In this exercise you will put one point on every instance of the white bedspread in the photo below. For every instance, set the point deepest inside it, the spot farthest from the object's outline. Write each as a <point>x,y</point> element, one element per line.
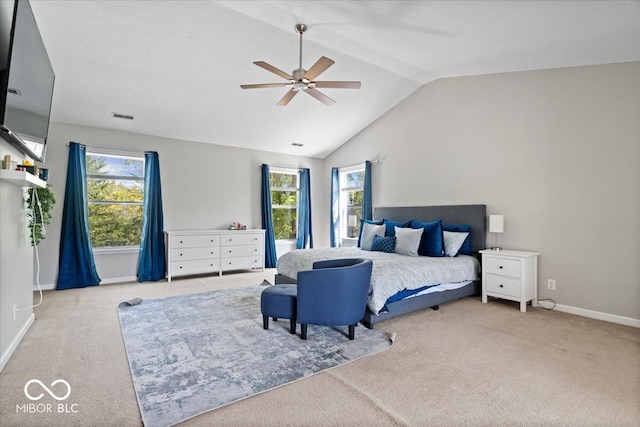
<point>392,273</point>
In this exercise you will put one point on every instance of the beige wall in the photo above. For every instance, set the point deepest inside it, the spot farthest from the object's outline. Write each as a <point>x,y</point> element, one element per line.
<point>16,262</point>
<point>556,151</point>
<point>203,186</point>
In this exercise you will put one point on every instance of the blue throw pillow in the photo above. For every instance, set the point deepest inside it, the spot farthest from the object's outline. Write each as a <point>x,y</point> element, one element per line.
<point>391,225</point>
<point>369,221</point>
<point>432,242</point>
<point>383,244</point>
<point>466,246</point>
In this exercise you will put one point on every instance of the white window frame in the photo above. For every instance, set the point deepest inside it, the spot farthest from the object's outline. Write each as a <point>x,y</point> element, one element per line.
<point>288,171</point>
<point>118,153</point>
<point>344,190</point>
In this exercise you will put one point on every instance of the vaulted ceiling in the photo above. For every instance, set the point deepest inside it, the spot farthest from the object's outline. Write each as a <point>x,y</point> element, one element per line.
<point>177,66</point>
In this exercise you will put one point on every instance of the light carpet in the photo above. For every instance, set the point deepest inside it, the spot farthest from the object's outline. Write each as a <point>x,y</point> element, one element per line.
<point>193,353</point>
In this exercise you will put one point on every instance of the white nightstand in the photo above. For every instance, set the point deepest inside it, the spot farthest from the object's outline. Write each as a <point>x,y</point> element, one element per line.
<point>511,275</point>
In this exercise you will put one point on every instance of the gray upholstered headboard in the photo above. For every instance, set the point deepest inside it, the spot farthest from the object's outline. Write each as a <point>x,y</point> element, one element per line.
<point>473,215</point>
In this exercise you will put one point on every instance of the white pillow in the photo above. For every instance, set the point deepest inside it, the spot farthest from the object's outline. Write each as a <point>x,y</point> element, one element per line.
<point>453,241</point>
<point>408,240</point>
<point>368,231</point>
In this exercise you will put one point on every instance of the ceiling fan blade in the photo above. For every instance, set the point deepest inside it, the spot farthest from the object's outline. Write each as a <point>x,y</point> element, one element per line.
<point>287,97</point>
<point>274,70</point>
<point>338,85</point>
<point>320,96</point>
<point>259,86</point>
<point>316,69</point>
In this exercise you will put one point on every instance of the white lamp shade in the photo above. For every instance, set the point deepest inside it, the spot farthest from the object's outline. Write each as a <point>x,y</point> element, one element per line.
<point>496,223</point>
<point>352,220</point>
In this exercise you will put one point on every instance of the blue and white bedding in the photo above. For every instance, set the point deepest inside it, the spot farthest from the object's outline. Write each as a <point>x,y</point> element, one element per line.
<point>392,272</point>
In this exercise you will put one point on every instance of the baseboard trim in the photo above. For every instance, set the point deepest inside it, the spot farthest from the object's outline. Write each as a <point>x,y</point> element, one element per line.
<point>52,286</point>
<point>119,280</point>
<point>16,341</point>
<point>613,318</point>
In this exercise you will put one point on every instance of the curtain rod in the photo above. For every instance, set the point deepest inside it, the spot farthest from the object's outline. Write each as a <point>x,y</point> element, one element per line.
<point>114,152</point>
<point>357,164</point>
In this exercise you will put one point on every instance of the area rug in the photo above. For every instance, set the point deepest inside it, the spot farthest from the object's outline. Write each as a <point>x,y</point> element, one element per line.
<point>190,354</point>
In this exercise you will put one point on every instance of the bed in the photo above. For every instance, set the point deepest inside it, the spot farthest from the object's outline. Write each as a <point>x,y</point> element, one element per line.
<point>387,276</point>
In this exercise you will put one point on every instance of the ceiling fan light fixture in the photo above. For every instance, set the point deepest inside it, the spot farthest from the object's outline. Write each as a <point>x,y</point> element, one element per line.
<point>301,79</point>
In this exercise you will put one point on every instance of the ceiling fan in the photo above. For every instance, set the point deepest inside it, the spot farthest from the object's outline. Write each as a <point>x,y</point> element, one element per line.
<point>303,80</point>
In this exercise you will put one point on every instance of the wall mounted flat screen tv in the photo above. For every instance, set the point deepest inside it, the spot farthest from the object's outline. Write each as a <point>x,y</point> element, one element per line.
<point>26,80</point>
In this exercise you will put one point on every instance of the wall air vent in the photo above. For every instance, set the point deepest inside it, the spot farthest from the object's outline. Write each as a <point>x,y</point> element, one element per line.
<point>14,91</point>
<point>122,116</point>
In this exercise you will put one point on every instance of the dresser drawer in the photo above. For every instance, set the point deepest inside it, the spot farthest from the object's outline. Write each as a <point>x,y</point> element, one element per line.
<point>246,250</point>
<point>503,266</point>
<point>242,239</point>
<point>179,268</point>
<point>195,241</point>
<point>503,285</point>
<point>241,263</point>
<point>195,253</point>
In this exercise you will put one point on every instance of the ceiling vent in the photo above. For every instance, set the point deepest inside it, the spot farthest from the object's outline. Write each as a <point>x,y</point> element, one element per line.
<point>14,91</point>
<point>122,116</point>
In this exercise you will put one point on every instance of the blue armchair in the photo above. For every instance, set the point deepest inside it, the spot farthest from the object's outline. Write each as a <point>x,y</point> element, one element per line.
<point>334,293</point>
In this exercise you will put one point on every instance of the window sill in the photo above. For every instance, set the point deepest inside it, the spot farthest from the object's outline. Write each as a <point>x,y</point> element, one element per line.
<point>116,250</point>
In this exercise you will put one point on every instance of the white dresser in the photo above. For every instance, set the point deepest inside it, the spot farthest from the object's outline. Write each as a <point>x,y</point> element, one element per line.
<point>511,275</point>
<point>213,251</point>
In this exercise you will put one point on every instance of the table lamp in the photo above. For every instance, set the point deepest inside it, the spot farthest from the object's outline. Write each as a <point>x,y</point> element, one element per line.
<point>352,220</point>
<point>496,225</point>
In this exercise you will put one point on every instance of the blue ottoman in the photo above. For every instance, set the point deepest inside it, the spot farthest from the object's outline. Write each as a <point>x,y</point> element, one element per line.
<point>279,301</point>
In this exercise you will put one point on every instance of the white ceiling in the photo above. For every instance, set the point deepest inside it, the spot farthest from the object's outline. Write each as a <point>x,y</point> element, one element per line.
<point>177,66</point>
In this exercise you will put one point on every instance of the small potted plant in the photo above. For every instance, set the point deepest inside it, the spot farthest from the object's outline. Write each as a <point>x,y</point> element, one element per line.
<point>40,215</point>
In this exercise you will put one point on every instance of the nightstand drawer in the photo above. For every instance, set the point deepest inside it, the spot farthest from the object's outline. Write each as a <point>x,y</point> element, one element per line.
<point>503,266</point>
<point>503,285</point>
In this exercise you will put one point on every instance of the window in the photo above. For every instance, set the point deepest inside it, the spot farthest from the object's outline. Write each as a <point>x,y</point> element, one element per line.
<point>351,197</point>
<point>284,203</point>
<point>115,189</point>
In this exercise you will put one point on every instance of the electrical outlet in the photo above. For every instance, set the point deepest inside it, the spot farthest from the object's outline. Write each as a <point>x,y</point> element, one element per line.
<point>551,284</point>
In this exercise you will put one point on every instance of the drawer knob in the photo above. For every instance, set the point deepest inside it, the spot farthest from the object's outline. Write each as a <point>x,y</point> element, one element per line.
<point>180,241</point>
<point>500,267</point>
<point>501,285</point>
<point>180,266</point>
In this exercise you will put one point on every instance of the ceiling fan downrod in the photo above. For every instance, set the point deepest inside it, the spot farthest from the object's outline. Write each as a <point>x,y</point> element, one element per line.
<point>300,29</point>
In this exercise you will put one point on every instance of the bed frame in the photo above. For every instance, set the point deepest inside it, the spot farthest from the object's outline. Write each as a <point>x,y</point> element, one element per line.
<point>473,215</point>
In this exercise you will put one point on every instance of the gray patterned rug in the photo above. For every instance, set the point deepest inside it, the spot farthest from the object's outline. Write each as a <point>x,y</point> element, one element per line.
<point>193,353</point>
